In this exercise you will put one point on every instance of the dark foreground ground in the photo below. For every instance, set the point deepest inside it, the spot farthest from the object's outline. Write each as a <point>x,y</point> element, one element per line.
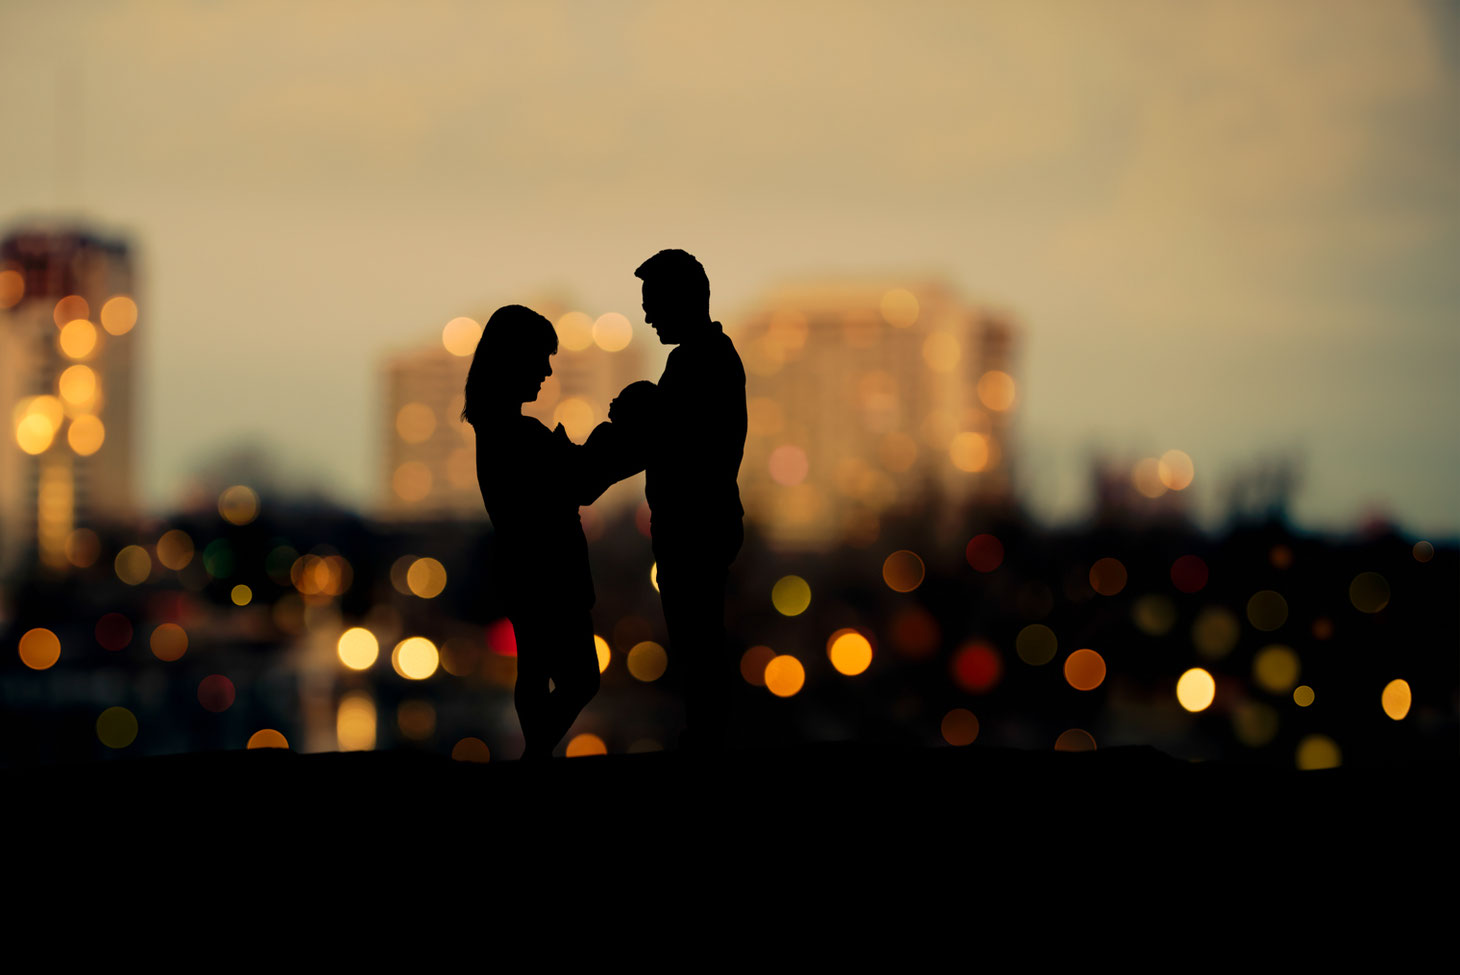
<point>968,844</point>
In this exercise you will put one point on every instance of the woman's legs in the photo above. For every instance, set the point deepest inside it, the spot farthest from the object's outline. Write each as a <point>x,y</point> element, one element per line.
<point>560,648</point>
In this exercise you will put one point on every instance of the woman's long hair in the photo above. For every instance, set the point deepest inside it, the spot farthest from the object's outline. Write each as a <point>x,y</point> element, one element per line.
<point>511,336</point>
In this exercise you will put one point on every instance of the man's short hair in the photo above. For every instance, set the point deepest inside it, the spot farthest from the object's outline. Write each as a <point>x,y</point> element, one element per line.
<point>679,272</point>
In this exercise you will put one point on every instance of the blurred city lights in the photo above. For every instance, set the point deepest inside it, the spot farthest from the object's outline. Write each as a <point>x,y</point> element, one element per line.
<point>959,727</point>
<point>1215,632</point>
<point>116,727</point>
<point>784,675</point>
<point>39,648</point>
<point>70,308</point>
<point>1176,470</point>
<point>471,750</point>
<point>612,332</point>
<point>415,658</point>
<point>12,288</point>
<point>586,744</point>
<point>1267,610</point>
<point>241,595</point>
<point>654,576</point>
<point>788,465</point>
<point>77,339</point>
<point>941,351</point>
<point>1318,752</point>
<point>460,336</point>
<point>267,738</point>
<point>1196,689</point>
<point>175,549</point>
<point>77,386</point>
<point>575,331</point>
<point>238,504</point>
<point>791,596</point>
<point>86,435</point>
<point>996,390</point>
<point>426,578</point>
<point>976,667</point>
<point>578,417</point>
<point>1254,723</point>
<point>1303,695</point>
<point>133,565</point>
<point>1084,670</point>
<point>412,481</point>
<point>1369,592</point>
<point>600,645</point>
<point>1153,614</point>
<point>1075,740</point>
<point>1275,669</point>
<point>355,722</point>
<point>1423,551</point>
<point>969,451</point>
<point>169,641</point>
<point>216,693</point>
<point>1396,699</point>
<point>415,422</point>
<point>1036,644</point>
<point>903,571</point>
<point>83,548</point>
<point>1107,576</point>
<point>984,553</point>
<point>1145,476</point>
<point>118,314</point>
<point>647,661</point>
<point>753,663</point>
<point>899,308</point>
<point>850,652</point>
<point>357,648</point>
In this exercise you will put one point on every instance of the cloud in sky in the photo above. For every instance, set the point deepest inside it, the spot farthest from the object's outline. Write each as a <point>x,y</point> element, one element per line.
<point>1227,225</point>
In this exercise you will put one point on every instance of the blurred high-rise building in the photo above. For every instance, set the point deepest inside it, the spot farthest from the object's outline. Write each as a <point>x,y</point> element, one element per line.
<point>871,398</point>
<point>429,459</point>
<point>68,317</point>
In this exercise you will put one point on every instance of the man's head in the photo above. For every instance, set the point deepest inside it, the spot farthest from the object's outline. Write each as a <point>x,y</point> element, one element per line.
<point>676,294</point>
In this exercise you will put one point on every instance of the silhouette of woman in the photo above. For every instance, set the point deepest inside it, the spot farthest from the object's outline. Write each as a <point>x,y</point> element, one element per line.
<point>533,480</point>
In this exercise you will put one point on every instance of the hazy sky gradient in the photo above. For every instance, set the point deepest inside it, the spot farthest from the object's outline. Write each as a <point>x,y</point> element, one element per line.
<point>1230,228</point>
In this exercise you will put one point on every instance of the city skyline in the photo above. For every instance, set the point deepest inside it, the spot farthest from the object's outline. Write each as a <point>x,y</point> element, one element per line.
<point>1226,230</point>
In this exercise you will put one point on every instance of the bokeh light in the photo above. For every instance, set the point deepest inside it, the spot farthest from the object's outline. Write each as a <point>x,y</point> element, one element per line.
<point>169,641</point>
<point>216,693</point>
<point>791,595</point>
<point>70,308</point>
<point>133,565</point>
<point>899,308</point>
<point>1196,689</point>
<point>1145,477</point>
<point>86,435</point>
<point>969,451</point>
<point>267,738</point>
<point>1303,696</point>
<point>1084,670</point>
<point>238,504</point>
<point>118,314</point>
<point>647,661</point>
<point>784,675</point>
<point>577,416</point>
<point>471,750</point>
<point>12,288</point>
<point>849,651</point>
<point>903,571</point>
<point>1036,644</point>
<point>77,338</point>
<point>358,648</point>
<point>77,386</point>
<point>996,390</point>
<point>113,632</point>
<point>575,331</point>
<point>412,481</point>
<point>415,658</point>
<point>753,663</point>
<point>355,722</point>
<point>612,332</point>
<point>415,422</point>
<point>976,667</point>
<point>1075,740</point>
<point>1255,724</point>
<point>39,648</point>
<point>1318,752</point>
<point>460,336</point>
<point>941,351</point>
<point>1396,699</point>
<point>116,727</point>
<point>1275,669</point>
<point>426,578</point>
<point>1153,614</point>
<point>1107,576</point>
<point>585,745</point>
<point>1189,574</point>
<point>1423,551</point>
<point>1369,592</point>
<point>1215,632</point>
<point>605,655</point>
<point>1176,470</point>
<point>1267,610</point>
<point>788,465</point>
<point>960,727</point>
<point>83,548</point>
<point>984,552</point>
<point>241,595</point>
<point>175,549</point>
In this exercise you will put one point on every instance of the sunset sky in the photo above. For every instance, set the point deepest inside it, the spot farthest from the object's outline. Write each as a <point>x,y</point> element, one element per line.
<point>1227,228</point>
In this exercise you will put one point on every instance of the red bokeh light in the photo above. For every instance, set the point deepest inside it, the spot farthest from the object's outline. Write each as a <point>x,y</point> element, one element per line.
<point>216,693</point>
<point>984,552</point>
<point>114,631</point>
<point>1189,573</point>
<point>977,667</point>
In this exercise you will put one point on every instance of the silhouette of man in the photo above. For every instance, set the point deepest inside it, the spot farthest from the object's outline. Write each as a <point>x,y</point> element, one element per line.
<point>692,461</point>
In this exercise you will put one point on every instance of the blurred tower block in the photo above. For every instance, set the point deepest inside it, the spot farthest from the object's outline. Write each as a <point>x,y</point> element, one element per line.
<point>68,336</point>
<point>429,469</point>
<point>871,398</point>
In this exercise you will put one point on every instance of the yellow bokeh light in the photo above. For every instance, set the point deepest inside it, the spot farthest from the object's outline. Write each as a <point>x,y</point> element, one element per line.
<point>996,390</point>
<point>1146,477</point>
<point>357,648</point>
<point>612,332</point>
<point>169,642</point>
<point>12,288</point>
<point>460,336</point>
<point>1036,644</point>
<point>791,595</point>
<point>133,565</point>
<point>241,595</point>
<point>1318,752</point>
<point>83,547</point>
<point>415,422</point>
<point>1267,610</point>
<point>577,416</point>
<point>1196,689</point>
<point>1369,592</point>
<point>1396,699</point>
<point>34,433</point>
<point>116,727</point>
<point>600,645</point>
<point>1254,723</point>
<point>86,435</point>
<point>850,652</point>
<point>77,386</point>
<point>78,338</point>
<point>1215,632</point>
<point>39,648</point>
<point>412,481</point>
<point>1275,669</point>
<point>903,571</point>
<point>175,549</point>
<point>959,727</point>
<point>784,675</point>
<point>415,658</point>
<point>575,331</point>
<point>471,750</point>
<point>70,308</point>
<point>753,663</point>
<point>941,351</point>
<point>416,719</point>
<point>355,722</point>
<point>1303,695</point>
<point>118,314</point>
<point>267,738</point>
<point>585,745</point>
<point>1085,670</point>
<point>969,451</point>
<point>1176,470</point>
<point>654,576</point>
<point>238,504</point>
<point>647,661</point>
<point>426,578</point>
<point>899,308</point>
